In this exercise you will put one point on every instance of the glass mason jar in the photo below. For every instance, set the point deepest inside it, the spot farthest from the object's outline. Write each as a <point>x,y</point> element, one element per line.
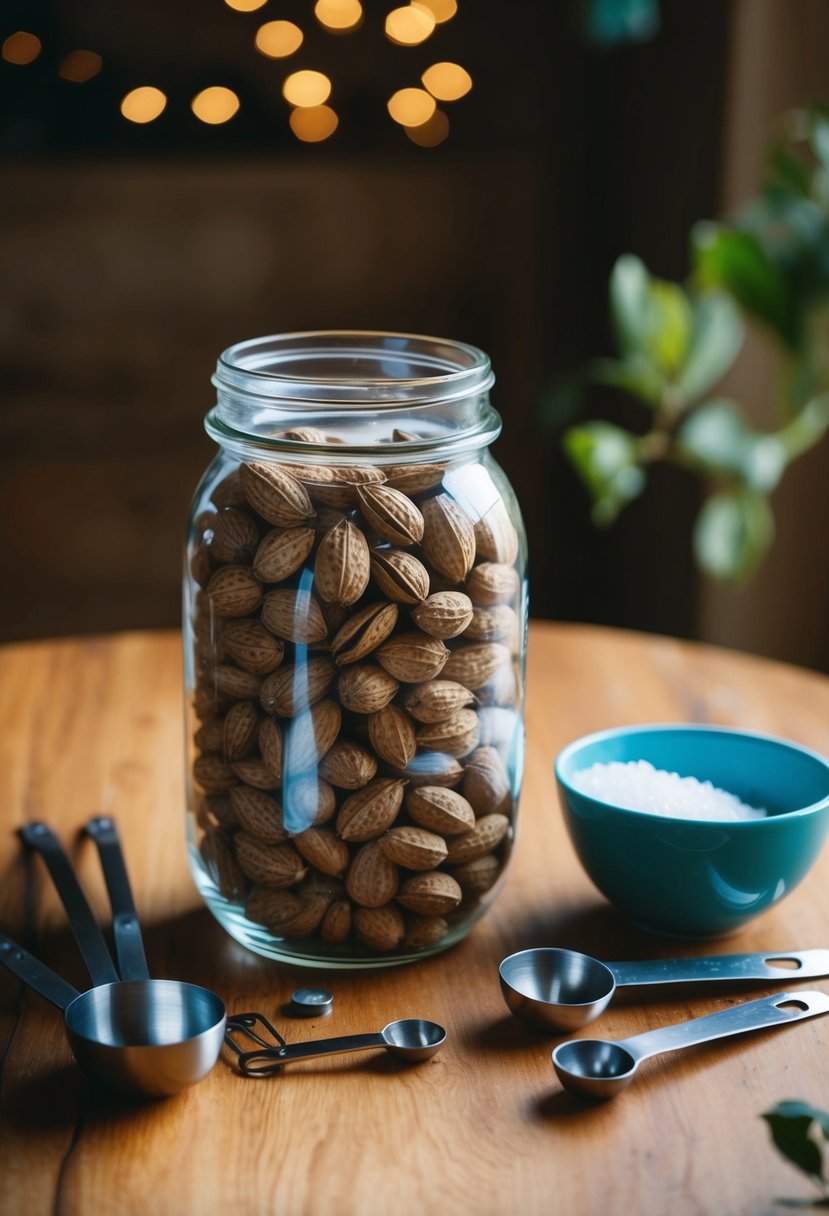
<point>355,611</point>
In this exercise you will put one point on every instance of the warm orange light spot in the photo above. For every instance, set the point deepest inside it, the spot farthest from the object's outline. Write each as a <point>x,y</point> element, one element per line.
<point>411,107</point>
<point>339,15</point>
<point>441,10</point>
<point>313,124</point>
<point>447,81</point>
<point>409,26</point>
<point>215,105</point>
<point>431,133</point>
<point>143,104</point>
<point>80,66</point>
<point>278,39</point>
<point>21,48</point>
<point>245,6</point>
<point>306,88</point>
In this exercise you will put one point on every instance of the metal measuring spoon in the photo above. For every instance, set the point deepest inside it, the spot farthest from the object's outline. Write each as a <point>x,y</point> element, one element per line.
<point>138,1035</point>
<point>552,989</point>
<point>411,1039</point>
<point>602,1068</point>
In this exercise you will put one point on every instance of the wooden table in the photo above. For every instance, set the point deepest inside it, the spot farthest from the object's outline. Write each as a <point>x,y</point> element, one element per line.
<point>95,725</point>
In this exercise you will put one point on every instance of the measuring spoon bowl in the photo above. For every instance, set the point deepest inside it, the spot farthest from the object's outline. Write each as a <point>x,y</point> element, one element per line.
<point>602,1068</point>
<point>552,989</point>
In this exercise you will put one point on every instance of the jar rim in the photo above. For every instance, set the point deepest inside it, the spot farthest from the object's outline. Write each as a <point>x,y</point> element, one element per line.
<point>352,367</point>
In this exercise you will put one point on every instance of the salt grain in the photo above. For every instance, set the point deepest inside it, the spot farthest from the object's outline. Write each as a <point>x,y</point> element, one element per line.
<point>638,786</point>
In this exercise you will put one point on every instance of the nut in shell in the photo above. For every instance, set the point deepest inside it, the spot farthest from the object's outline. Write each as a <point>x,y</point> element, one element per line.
<point>390,514</point>
<point>364,632</point>
<point>371,880</point>
<point>440,810</point>
<point>433,893</point>
<point>493,583</point>
<point>486,835</point>
<point>234,591</point>
<point>367,813</point>
<point>364,688</point>
<point>458,735</point>
<point>294,616</point>
<point>445,614</point>
<point>341,568</point>
<point>252,647</point>
<point>235,536</point>
<point>276,495</point>
<point>282,552</point>
<point>413,657</point>
<point>448,537</point>
<point>413,848</point>
<point>292,689</point>
<point>381,929</point>
<point>348,765</point>
<point>271,865</point>
<point>437,700</point>
<point>392,735</point>
<point>400,575</point>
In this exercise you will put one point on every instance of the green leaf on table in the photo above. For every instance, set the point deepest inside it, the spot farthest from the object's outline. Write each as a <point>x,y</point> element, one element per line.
<point>732,533</point>
<point>651,317</point>
<point>798,1130</point>
<point>736,262</point>
<point>716,338</point>
<point>717,440</point>
<point>606,457</point>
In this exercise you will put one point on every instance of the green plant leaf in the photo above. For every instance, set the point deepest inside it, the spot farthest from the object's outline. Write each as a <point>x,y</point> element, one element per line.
<point>732,533</point>
<point>717,441</point>
<point>716,338</point>
<point>736,262</point>
<point>633,374</point>
<point>651,317</point>
<point>793,1127</point>
<point>606,458</point>
<point>819,135</point>
<point>807,428</point>
<point>629,281</point>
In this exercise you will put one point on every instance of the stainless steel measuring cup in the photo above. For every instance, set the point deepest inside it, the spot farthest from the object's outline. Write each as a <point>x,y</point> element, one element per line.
<point>136,1034</point>
<point>602,1068</point>
<point>552,989</point>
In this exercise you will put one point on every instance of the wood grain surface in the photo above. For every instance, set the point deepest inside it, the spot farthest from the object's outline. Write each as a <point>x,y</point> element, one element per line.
<point>95,725</point>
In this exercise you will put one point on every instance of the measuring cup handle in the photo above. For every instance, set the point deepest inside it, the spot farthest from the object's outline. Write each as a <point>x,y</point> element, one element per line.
<point>35,974</point>
<point>750,1015</point>
<point>807,964</point>
<point>89,937</point>
<point>310,1051</point>
<point>126,928</point>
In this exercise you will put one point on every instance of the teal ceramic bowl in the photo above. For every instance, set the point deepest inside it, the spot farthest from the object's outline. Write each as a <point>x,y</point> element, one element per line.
<point>690,878</point>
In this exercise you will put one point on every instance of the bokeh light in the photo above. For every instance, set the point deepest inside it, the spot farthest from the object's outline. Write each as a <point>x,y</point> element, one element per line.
<point>21,48</point>
<point>80,66</point>
<point>447,81</point>
<point>411,107</point>
<point>306,88</point>
<point>313,124</point>
<point>441,10</point>
<point>431,133</point>
<point>246,6</point>
<point>339,15</point>
<point>277,39</point>
<point>409,26</point>
<point>143,104</point>
<point>215,105</point>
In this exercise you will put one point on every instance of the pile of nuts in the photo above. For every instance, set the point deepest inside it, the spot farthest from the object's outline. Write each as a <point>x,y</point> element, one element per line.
<point>356,634</point>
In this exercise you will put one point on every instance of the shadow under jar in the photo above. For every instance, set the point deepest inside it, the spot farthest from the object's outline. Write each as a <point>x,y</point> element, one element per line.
<point>355,614</point>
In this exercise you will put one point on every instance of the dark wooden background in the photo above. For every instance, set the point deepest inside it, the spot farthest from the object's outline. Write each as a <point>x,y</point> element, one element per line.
<point>132,257</point>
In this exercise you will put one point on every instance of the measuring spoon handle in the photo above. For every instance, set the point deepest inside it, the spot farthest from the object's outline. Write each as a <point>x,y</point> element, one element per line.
<point>781,967</point>
<point>751,1015</point>
<point>312,1050</point>
<point>35,974</point>
<point>89,937</point>
<point>126,929</point>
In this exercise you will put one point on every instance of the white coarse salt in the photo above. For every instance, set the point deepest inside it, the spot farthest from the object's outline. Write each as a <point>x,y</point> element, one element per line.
<point>638,786</point>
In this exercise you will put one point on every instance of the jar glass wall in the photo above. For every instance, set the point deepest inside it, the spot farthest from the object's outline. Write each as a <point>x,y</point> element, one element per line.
<point>355,609</point>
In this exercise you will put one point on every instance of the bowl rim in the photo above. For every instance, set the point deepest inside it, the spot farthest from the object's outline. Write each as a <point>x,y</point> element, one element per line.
<point>740,825</point>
